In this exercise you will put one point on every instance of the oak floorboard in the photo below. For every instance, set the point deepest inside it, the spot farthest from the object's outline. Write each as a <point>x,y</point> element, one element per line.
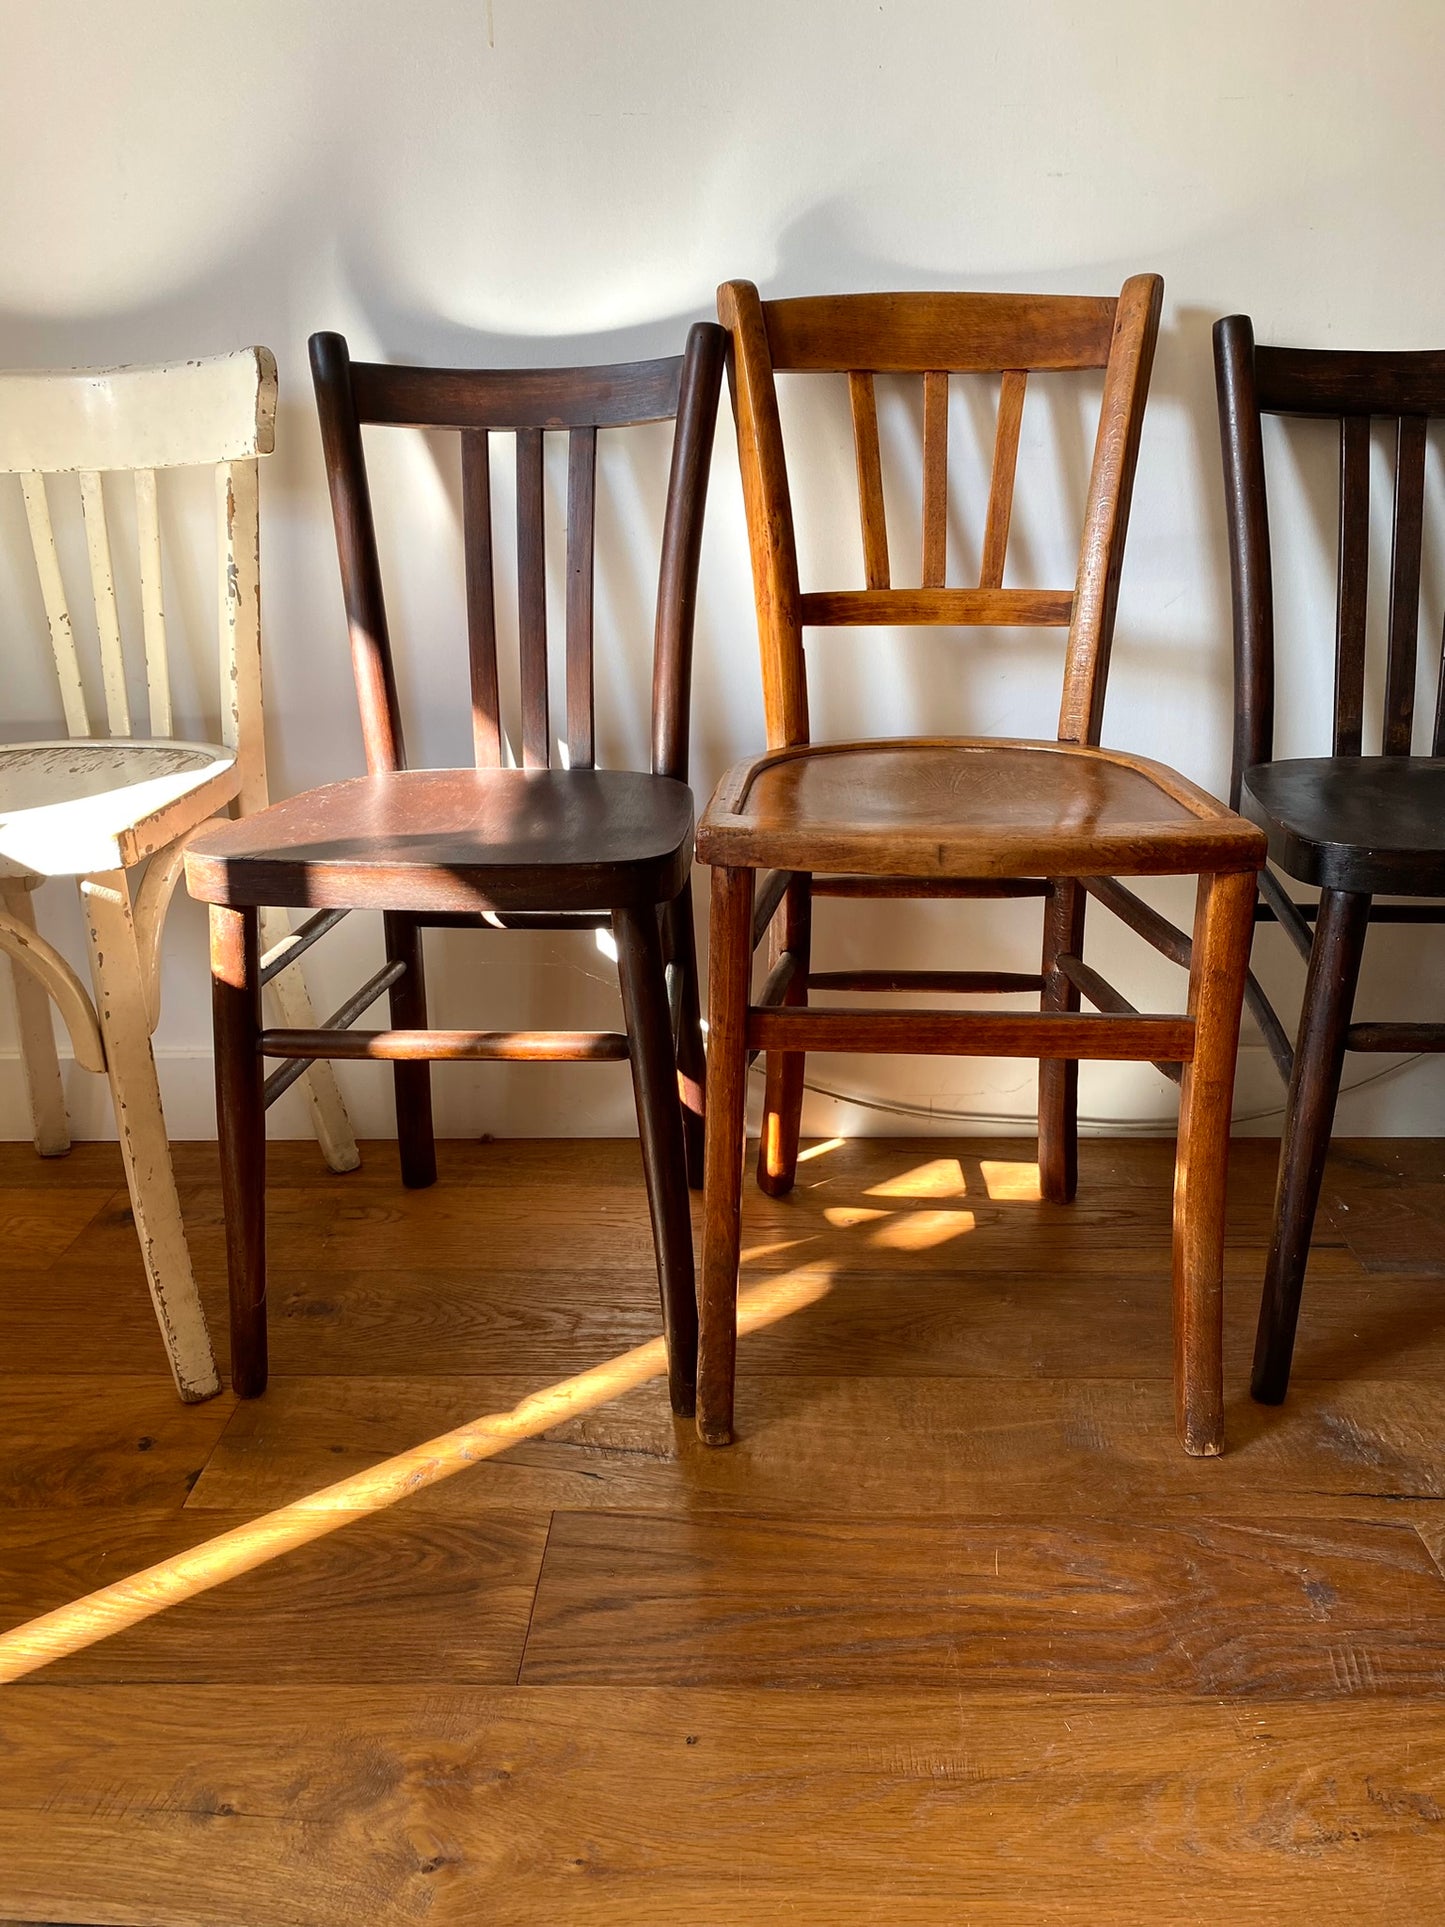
<point>643,1807</point>
<point>388,1598</point>
<point>846,1446</point>
<point>969,1323</point>
<point>1228,1608</point>
<point>103,1440</point>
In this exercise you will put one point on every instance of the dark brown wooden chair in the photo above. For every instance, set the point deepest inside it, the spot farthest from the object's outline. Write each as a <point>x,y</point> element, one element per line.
<point>960,817</point>
<point>528,848</point>
<point>1357,824</point>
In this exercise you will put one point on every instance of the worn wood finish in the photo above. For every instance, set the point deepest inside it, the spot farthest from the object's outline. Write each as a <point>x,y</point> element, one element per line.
<point>1223,925</point>
<point>1354,824</point>
<point>730,956</point>
<point>737,1600</point>
<point>951,816</point>
<point>558,848</point>
<point>1334,970</point>
<point>1001,486</point>
<point>659,1129</point>
<point>1080,1660</point>
<point>914,1805</point>
<point>241,1136</point>
<point>97,808</point>
<point>864,405</point>
<point>935,479</point>
<point>792,943</point>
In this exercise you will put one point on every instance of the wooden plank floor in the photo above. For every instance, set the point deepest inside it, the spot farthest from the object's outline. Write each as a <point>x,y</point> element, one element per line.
<point>953,1633</point>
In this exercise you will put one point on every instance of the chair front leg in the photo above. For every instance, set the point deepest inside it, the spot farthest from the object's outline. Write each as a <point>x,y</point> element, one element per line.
<point>50,1127</point>
<point>241,1131</point>
<point>783,1088</point>
<point>1059,1077</point>
<point>730,959</point>
<point>659,1127</point>
<point>681,943</point>
<point>323,1096</point>
<point>415,1137</point>
<point>1223,929</point>
<point>1309,1115</point>
<point>118,973</point>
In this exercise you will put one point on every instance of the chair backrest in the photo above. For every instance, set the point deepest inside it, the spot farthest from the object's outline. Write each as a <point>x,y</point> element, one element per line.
<point>525,402</point>
<point>935,335</point>
<point>217,413</point>
<point>1354,389</point>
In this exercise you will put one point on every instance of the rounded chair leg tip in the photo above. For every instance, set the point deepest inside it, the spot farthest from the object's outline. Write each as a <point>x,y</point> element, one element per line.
<point>713,1434</point>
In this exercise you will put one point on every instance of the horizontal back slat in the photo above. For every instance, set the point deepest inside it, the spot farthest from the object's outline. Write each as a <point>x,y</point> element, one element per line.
<point>881,608</point>
<point>955,333</point>
<point>181,414</point>
<point>1338,381</point>
<point>615,397</point>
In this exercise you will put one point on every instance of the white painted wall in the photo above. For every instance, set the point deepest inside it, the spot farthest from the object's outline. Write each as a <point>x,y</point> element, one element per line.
<point>511,180</point>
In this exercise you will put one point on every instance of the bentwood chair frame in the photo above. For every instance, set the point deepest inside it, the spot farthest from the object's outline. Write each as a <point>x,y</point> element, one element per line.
<point>960,818</point>
<point>1356,824</point>
<point>535,847</point>
<point>117,809</point>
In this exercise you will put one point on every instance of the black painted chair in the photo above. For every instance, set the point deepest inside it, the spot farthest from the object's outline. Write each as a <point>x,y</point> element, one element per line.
<point>1355,823</point>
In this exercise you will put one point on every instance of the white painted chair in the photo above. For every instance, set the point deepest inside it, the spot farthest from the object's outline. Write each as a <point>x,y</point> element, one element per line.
<point>103,809</point>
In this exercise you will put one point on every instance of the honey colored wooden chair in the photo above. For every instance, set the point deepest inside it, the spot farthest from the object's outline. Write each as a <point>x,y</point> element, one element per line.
<point>1357,824</point>
<point>960,818</point>
<point>115,811</point>
<point>535,847</point>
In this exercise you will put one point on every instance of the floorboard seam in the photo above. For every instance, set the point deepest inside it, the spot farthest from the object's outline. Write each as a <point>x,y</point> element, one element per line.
<point>536,1588</point>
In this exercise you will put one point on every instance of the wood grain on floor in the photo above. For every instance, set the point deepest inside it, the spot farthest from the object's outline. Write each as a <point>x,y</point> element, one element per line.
<point>953,1633</point>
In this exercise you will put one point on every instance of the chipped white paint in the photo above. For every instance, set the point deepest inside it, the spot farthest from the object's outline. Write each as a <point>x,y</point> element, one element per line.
<point>43,962</point>
<point>179,414</point>
<point>49,1125</point>
<point>118,974</point>
<point>70,807</point>
<point>288,994</point>
<point>97,808</point>
<point>57,610</point>
<point>107,617</point>
<point>153,613</point>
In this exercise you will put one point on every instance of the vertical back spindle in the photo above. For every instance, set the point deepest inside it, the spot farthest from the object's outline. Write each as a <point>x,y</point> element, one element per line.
<point>107,621</point>
<point>239,589</point>
<point>870,479</point>
<point>1001,483</point>
<point>153,614</point>
<point>581,518</point>
<point>935,479</point>
<point>57,613</point>
<point>1353,584</point>
<point>1405,547</point>
<point>481,598</point>
<point>532,599</point>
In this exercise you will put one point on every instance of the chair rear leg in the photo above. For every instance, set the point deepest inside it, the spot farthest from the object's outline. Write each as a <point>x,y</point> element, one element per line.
<point>730,957</point>
<point>50,1127</point>
<point>1059,1077</point>
<point>1223,929</point>
<point>681,945</point>
<point>1319,1058</point>
<point>659,1127</point>
<point>121,1005</point>
<point>783,1093</point>
<point>415,1137</point>
<point>241,1130</point>
<point>323,1096</point>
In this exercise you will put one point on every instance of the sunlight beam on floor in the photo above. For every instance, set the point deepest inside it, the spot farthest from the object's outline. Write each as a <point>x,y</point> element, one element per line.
<point>128,1601</point>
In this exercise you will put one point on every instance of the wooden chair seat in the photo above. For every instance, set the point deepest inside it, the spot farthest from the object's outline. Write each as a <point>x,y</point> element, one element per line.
<point>78,805</point>
<point>458,840</point>
<point>1361,823</point>
<point>963,807</point>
